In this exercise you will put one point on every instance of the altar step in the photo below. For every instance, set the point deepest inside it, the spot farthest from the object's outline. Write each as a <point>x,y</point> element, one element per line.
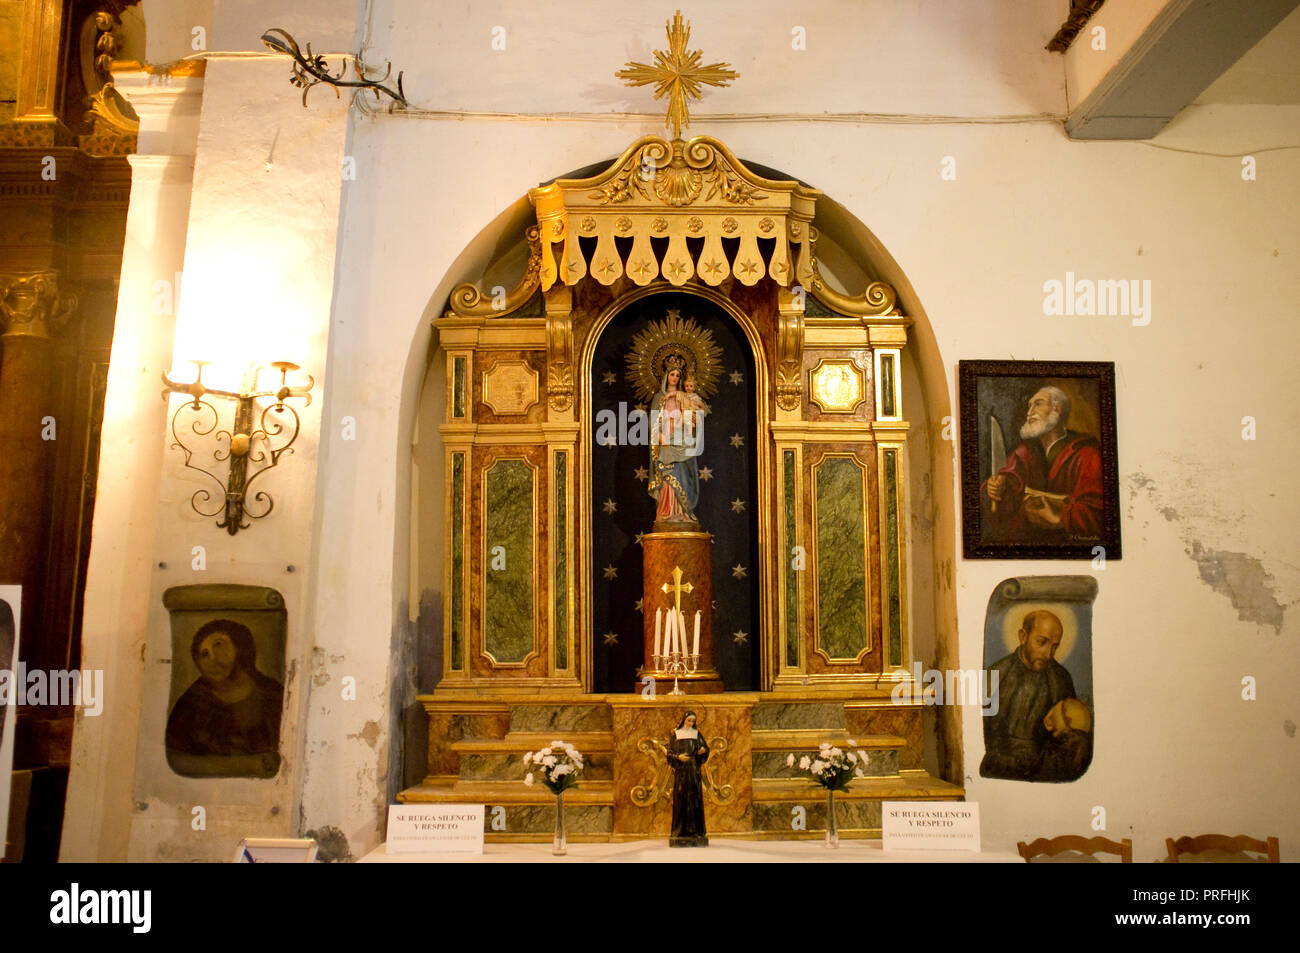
<point>527,812</point>
<point>857,810</point>
<point>772,751</point>
<point>477,757</point>
<point>502,759</point>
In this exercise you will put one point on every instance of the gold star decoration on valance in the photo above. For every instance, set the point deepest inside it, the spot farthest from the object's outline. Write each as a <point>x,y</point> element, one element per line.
<point>678,74</point>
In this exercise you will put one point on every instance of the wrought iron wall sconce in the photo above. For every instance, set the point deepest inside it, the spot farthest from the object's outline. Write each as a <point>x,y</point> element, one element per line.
<point>311,69</point>
<point>277,429</point>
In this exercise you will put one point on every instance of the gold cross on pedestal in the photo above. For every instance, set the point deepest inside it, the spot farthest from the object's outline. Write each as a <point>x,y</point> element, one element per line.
<point>677,588</point>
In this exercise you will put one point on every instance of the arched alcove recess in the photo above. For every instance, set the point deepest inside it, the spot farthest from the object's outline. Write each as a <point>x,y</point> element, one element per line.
<point>502,417</point>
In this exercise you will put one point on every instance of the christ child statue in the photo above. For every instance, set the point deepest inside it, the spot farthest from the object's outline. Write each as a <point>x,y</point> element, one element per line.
<point>694,410</point>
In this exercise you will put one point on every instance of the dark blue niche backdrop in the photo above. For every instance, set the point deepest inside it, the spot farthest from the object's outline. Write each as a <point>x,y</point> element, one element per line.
<point>727,507</point>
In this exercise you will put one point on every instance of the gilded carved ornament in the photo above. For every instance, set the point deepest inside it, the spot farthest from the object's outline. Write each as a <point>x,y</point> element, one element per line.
<point>31,305</point>
<point>467,301</point>
<point>675,190</point>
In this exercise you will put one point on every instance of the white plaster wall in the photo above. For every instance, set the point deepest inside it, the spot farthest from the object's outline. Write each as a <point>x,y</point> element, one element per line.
<point>1027,206</point>
<point>1177,750</point>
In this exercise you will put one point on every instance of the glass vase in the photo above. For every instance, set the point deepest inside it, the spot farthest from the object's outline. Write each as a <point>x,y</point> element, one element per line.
<point>832,834</point>
<point>559,845</point>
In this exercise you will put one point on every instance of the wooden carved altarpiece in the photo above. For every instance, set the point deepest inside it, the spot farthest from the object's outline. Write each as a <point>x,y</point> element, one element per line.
<point>517,646</point>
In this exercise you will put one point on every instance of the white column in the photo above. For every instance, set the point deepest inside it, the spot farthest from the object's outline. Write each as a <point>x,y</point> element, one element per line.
<point>100,803</point>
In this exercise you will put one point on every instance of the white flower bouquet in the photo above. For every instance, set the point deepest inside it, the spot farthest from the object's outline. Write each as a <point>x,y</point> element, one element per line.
<point>557,766</point>
<point>832,767</point>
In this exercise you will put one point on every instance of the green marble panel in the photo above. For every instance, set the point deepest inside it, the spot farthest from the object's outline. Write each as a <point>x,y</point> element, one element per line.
<point>855,814</point>
<point>887,403</point>
<point>507,766</point>
<point>549,718</point>
<point>893,571</point>
<point>457,560</point>
<point>791,574</point>
<point>508,590</point>
<point>458,387</point>
<point>841,558</point>
<point>560,587</point>
<point>881,763</point>
<point>540,819</point>
<point>783,716</point>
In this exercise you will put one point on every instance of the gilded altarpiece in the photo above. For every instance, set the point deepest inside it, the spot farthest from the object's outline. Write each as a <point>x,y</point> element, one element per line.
<point>830,455</point>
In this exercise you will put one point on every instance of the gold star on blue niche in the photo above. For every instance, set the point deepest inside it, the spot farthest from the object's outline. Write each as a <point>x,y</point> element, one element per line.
<point>611,638</point>
<point>639,537</point>
<point>609,377</point>
<point>706,474</point>
<point>609,506</point>
<point>737,440</point>
<point>737,506</point>
<point>737,377</point>
<point>638,605</point>
<point>611,572</point>
<point>740,637</point>
<point>738,571</point>
<point>641,473</point>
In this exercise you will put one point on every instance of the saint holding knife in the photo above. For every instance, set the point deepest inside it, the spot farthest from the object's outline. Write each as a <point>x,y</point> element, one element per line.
<point>1050,486</point>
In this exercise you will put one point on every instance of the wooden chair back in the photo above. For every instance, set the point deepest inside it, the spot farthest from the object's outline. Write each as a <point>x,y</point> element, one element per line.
<point>1084,845</point>
<point>1238,844</point>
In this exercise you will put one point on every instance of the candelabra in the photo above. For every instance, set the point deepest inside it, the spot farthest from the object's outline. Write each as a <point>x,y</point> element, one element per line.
<point>677,664</point>
<point>244,444</point>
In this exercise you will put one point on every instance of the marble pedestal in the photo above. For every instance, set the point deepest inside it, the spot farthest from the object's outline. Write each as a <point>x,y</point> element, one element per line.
<point>691,551</point>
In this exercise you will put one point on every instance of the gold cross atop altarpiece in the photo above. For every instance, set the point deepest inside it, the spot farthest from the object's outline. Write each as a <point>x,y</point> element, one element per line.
<point>678,74</point>
<point>677,588</point>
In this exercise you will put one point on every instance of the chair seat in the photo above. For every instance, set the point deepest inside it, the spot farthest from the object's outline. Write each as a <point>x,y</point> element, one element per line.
<point>1065,857</point>
<point>1221,857</point>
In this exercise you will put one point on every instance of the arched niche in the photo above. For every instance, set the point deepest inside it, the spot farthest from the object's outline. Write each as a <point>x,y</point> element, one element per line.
<point>851,280</point>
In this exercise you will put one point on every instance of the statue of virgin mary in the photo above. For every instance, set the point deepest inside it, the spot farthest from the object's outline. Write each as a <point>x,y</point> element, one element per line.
<point>674,364</point>
<point>676,436</point>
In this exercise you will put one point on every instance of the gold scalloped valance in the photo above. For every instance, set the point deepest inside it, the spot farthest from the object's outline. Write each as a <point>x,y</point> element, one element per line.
<point>715,198</point>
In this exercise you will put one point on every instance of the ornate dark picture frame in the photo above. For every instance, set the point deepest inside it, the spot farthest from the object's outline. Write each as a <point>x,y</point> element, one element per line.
<point>997,394</point>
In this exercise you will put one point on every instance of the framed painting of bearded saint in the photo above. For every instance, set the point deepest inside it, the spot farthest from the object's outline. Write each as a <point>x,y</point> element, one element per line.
<point>1039,474</point>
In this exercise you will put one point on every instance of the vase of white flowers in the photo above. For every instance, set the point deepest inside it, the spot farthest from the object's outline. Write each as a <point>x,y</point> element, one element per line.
<point>834,770</point>
<point>558,766</point>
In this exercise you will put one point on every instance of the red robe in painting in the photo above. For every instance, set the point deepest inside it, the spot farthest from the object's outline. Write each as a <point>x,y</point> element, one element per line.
<point>1072,468</point>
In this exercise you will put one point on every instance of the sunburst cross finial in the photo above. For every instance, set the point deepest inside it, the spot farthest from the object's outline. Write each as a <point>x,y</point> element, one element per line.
<point>678,74</point>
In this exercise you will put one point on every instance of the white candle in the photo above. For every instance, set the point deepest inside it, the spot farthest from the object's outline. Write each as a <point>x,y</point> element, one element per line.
<point>697,633</point>
<point>676,630</point>
<point>658,617</point>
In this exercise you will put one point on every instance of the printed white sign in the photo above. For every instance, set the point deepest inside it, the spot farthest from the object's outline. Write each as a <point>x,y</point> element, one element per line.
<point>435,828</point>
<point>930,825</point>
<point>11,613</point>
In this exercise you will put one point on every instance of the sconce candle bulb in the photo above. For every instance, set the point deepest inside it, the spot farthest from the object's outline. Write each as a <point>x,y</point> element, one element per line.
<point>277,426</point>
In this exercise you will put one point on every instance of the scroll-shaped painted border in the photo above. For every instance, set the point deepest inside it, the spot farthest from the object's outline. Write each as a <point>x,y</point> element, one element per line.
<point>1038,647</point>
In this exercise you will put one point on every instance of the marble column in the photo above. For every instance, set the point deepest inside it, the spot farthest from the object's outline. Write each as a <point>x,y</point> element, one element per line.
<point>32,309</point>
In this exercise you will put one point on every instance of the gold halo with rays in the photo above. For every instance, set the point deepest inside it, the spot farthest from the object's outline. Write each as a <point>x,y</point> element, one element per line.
<point>1016,615</point>
<point>676,340</point>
